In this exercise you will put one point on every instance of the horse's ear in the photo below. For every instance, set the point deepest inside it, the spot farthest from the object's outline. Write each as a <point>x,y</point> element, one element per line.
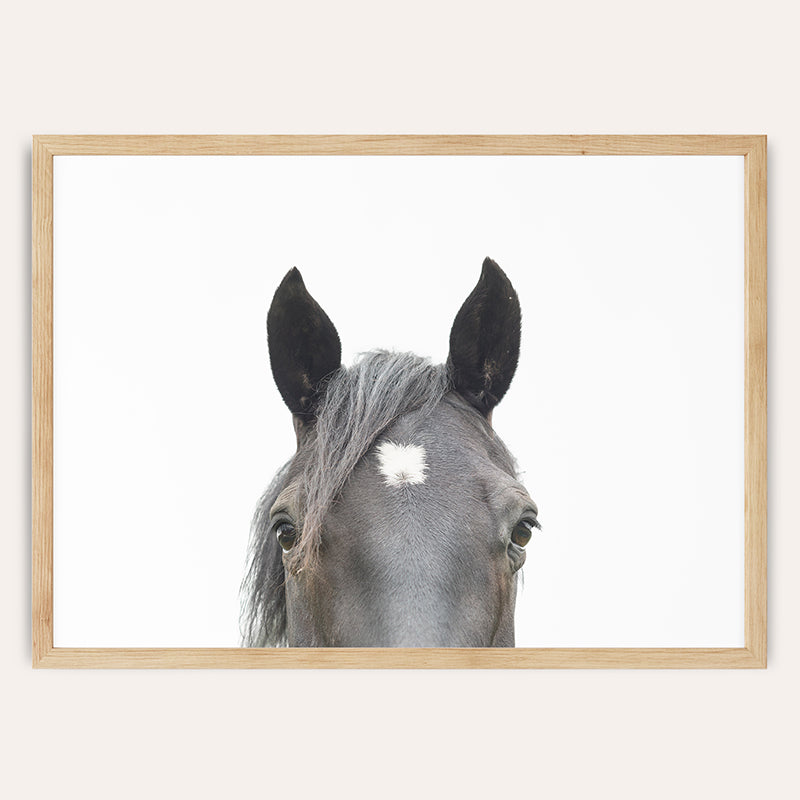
<point>484,340</point>
<point>304,347</point>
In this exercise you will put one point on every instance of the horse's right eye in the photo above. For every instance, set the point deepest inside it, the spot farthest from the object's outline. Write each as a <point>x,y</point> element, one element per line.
<point>287,535</point>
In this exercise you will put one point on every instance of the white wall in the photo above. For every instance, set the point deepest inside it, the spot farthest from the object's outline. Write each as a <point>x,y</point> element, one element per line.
<point>687,67</point>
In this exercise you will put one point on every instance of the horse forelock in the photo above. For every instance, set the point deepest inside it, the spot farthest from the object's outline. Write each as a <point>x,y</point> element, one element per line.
<point>359,403</point>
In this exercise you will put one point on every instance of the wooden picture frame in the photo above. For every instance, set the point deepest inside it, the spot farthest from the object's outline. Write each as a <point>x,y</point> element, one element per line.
<point>752,655</point>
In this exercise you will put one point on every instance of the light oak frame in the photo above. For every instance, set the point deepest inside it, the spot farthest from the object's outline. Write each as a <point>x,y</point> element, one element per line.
<point>752,655</point>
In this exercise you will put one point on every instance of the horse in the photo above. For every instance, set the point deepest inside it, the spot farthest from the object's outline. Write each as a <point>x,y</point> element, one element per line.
<point>401,520</point>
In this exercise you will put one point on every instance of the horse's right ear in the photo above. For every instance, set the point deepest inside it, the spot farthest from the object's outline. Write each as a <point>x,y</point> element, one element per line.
<point>304,347</point>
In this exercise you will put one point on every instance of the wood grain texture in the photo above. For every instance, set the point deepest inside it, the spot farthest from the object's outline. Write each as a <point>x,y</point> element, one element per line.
<point>398,145</point>
<point>42,401</point>
<point>400,658</point>
<point>755,401</point>
<point>753,655</point>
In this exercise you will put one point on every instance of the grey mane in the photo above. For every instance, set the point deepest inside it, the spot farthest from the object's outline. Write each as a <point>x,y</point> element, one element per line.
<point>262,621</point>
<point>358,404</point>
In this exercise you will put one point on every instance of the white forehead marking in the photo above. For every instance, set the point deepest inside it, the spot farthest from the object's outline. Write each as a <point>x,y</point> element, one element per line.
<point>402,463</point>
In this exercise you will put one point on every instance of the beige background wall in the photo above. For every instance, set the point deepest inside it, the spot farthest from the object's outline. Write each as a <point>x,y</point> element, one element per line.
<point>583,67</point>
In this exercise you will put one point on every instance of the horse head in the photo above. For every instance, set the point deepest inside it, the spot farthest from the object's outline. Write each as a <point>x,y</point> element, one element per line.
<point>400,521</point>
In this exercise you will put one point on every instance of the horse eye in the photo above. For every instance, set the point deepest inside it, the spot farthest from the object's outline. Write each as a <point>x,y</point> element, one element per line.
<point>287,535</point>
<point>522,532</point>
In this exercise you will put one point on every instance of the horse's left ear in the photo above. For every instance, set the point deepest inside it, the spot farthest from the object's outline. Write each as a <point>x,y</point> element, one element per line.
<point>484,340</point>
<point>304,347</point>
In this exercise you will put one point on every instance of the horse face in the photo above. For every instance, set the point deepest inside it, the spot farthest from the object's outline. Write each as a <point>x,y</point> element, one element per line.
<point>420,541</point>
<point>423,546</point>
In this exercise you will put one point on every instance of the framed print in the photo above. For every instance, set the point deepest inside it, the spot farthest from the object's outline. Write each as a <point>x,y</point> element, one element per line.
<point>399,401</point>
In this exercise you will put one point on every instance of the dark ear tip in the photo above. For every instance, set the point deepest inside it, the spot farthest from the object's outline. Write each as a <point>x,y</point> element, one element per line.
<point>491,272</point>
<point>291,288</point>
<point>292,278</point>
<point>495,281</point>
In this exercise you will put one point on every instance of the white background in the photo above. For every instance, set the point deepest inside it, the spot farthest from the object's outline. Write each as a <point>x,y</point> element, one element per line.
<point>619,67</point>
<point>626,413</point>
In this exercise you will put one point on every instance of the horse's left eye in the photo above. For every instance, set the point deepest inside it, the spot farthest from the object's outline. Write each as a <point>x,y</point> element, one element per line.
<point>523,531</point>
